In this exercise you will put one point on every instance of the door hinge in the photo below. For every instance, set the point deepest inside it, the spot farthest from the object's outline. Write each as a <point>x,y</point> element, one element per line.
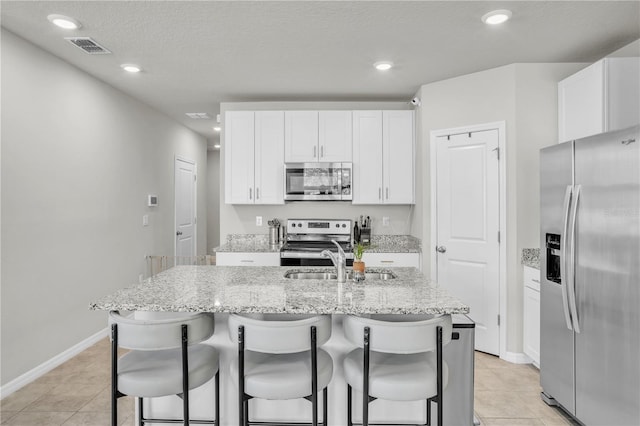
<point>195,220</point>
<point>498,320</point>
<point>195,178</point>
<point>498,236</point>
<point>497,150</point>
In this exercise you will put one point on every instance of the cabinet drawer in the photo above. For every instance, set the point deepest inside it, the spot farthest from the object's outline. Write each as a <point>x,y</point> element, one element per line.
<point>248,259</point>
<point>532,278</point>
<point>391,259</point>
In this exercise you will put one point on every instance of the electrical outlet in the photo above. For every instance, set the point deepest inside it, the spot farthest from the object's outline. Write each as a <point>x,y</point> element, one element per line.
<point>145,220</point>
<point>258,220</point>
<point>140,278</point>
<point>385,220</point>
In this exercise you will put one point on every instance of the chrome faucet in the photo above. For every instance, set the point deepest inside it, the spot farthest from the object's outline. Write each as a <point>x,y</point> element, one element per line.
<point>339,261</point>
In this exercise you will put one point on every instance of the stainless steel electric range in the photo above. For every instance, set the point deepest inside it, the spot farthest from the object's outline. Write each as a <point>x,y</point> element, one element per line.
<point>307,238</point>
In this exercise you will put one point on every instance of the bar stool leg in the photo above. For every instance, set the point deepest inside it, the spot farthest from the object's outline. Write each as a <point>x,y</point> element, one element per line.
<point>217,401</point>
<point>349,418</point>
<point>241,408</point>
<point>185,375</point>
<point>314,377</point>
<point>439,372</point>
<point>325,410</point>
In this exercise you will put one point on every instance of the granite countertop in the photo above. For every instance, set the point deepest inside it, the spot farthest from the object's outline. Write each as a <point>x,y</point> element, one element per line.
<point>248,243</point>
<point>263,289</point>
<point>531,257</point>
<point>259,243</point>
<point>394,244</point>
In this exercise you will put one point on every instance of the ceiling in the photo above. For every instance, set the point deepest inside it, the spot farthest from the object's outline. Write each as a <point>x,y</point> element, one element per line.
<point>196,54</point>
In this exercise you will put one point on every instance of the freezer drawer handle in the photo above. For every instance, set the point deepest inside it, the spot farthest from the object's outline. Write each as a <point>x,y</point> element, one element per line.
<point>455,336</point>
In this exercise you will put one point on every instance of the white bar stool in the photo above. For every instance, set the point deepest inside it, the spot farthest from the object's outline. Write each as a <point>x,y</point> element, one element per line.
<point>279,359</point>
<point>165,358</point>
<point>399,358</point>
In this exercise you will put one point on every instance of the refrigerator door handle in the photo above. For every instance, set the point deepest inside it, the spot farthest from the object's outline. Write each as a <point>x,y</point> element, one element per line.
<point>564,281</point>
<point>571,288</point>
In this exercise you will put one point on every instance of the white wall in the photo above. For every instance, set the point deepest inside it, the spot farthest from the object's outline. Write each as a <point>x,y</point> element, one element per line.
<point>239,219</point>
<point>525,97</point>
<point>78,160</point>
<point>213,200</point>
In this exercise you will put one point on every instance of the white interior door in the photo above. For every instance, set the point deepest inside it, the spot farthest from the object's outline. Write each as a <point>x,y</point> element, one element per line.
<point>185,184</point>
<point>467,210</point>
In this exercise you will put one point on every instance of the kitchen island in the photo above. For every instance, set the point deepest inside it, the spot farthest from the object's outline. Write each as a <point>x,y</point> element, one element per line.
<point>233,289</point>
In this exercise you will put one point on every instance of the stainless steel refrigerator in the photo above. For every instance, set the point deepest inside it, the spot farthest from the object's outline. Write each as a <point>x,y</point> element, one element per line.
<point>589,277</point>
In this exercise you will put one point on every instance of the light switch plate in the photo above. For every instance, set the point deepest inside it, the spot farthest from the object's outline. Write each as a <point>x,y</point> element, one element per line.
<point>258,220</point>
<point>385,220</point>
<point>145,220</point>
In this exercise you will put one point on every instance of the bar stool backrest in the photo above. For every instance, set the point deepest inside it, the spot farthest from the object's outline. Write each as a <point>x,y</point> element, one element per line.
<point>280,333</point>
<point>164,333</point>
<point>398,334</point>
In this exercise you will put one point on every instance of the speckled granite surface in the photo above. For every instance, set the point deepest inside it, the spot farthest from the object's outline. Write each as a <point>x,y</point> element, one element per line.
<point>247,243</point>
<point>263,289</point>
<point>394,244</point>
<point>531,257</point>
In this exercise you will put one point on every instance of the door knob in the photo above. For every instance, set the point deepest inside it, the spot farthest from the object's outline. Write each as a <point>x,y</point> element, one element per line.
<point>179,233</point>
<point>441,249</point>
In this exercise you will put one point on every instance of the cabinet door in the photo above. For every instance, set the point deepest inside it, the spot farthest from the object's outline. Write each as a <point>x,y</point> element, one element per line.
<point>623,92</point>
<point>238,149</point>
<point>269,157</point>
<point>398,157</point>
<point>335,136</point>
<point>531,338</point>
<point>301,136</point>
<point>581,103</point>
<point>367,157</point>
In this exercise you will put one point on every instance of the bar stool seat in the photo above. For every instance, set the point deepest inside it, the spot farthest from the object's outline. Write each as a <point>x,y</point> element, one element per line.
<point>409,377</point>
<point>282,376</point>
<point>151,374</point>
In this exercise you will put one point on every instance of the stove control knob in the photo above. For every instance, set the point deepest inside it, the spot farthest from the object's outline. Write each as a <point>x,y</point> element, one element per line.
<point>344,225</point>
<point>293,225</point>
<point>337,225</point>
<point>299,225</point>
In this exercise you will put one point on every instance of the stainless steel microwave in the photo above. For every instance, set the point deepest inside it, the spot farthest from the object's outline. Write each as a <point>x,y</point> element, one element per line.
<point>317,181</point>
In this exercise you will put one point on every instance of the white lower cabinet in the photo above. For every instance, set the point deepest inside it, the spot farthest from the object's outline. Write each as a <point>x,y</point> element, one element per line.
<point>248,259</point>
<point>531,338</point>
<point>391,259</point>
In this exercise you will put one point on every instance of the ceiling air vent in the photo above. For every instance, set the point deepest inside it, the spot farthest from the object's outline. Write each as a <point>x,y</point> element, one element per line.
<point>89,45</point>
<point>198,115</point>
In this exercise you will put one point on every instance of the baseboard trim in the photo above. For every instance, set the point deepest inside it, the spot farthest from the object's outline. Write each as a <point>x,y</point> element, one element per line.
<point>50,364</point>
<point>516,358</point>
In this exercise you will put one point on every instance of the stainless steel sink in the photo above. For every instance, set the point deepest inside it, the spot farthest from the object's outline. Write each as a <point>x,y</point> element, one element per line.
<point>311,275</point>
<point>372,275</point>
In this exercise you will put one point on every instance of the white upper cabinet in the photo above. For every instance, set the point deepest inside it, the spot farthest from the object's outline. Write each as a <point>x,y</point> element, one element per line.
<point>398,157</point>
<point>301,136</point>
<point>383,157</point>
<point>269,155</point>
<point>318,136</point>
<point>254,152</point>
<point>335,136</point>
<point>367,157</point>
<point>603,97</point>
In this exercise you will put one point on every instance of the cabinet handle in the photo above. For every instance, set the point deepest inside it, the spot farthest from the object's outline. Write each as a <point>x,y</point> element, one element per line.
<point>379,193</point>
<point>535,281</point>
<point>250,194</point>
<point>387,192</point>
<point>314,152</point>
<point>257,193</point>
<point>246,260</point>
<point>386,261</point>
<point>322,151</point>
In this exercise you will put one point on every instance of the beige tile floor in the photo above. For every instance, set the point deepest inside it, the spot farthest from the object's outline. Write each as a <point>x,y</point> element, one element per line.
<point>77,393</point>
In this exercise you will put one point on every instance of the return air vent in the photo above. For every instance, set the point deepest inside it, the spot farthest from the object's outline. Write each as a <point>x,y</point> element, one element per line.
<point>89,45</point>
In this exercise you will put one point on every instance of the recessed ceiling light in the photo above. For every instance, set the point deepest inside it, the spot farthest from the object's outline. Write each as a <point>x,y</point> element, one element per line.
<point>383,65</point>
<point>496,17</point>
<point>217,146</point>
<point>217,128</point>
<point>131,68</point>
<point>64,22</point>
